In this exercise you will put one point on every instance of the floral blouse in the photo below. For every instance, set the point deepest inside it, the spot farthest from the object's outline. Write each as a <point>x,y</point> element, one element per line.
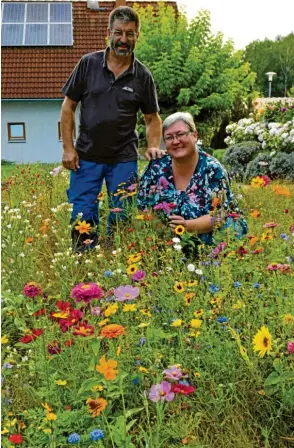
<point>209,182</point>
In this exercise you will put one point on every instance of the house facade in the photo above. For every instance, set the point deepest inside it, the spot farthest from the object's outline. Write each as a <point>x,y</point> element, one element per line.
<point>42,41</point>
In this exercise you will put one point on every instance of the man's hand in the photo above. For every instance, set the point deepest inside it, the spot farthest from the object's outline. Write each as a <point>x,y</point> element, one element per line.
<point>175,220</point>
<point>154,153</point>
<point>70,160</point>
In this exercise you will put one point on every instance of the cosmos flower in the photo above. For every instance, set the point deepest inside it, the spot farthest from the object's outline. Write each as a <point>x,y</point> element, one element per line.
<point>128,292</point>
<point>262,342</point>
<point>107,368</point>
<point>173,373</point>
<point>86,292</point>
<point>83,227</point>
<point>161,392</point>
<point>184,389</point>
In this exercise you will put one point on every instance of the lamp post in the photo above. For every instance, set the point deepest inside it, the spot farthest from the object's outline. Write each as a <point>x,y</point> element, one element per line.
<point>270,78</point>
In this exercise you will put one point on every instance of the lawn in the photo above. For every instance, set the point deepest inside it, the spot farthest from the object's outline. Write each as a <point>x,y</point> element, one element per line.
<point>138,346</point>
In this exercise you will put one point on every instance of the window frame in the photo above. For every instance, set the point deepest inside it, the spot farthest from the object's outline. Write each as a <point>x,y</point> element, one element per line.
<point>73,132</point>
<point>12,139</point>
<point>48,24</point>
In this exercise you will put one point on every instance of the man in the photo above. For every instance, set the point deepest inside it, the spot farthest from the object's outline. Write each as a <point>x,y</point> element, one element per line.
<point>112,85</point>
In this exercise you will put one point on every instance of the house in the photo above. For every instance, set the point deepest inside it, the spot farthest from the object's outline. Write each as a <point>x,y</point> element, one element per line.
<point>41,43</point>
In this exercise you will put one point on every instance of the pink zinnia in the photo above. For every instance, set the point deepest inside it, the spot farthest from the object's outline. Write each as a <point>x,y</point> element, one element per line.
<point>161,392</point>
<point>32,289</point>
<point>290,346</point>
<point>173,373</point>
<point>138,275</point>
<point>86,292</point>
<point>123,293</point>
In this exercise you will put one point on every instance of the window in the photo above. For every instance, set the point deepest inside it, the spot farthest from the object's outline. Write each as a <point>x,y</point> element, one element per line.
<point>36,24</point>
<point>16,132</point>
<point>59,132</point>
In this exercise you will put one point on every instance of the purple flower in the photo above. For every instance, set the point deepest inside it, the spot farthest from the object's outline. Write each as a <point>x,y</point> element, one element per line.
<point>56,171</point>
<point>161,392</point>
<point>138,275</point>
<point>86,292</point>
<point>96,311</point>
<point>173,373</point>
<point>54,348</point>
<point>290,347</point>
<point>128,292</point>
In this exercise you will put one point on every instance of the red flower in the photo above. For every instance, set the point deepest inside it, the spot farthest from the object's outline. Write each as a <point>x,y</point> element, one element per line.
<point>183,389</point>
<point>83,330</point>
<point>242,251</point>
<point>69,343</point>
<point>31,336</point>
<point>15,438</point>
<point>74,317</point>
<point>40,312</point>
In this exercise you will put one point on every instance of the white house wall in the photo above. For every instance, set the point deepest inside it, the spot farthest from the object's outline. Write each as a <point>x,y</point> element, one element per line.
<point>41,125</point>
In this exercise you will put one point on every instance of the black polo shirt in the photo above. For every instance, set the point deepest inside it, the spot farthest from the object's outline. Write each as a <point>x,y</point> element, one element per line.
<point>109,106</point>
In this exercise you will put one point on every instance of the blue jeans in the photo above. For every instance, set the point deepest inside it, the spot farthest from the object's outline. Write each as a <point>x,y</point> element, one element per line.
<point>86,184</point>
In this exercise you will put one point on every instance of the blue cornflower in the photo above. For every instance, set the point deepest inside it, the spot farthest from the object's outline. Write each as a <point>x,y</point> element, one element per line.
<point>142,341</point>
<point>237,284</point>
<point>107,274</point>
<point>214,288</point>
<point>7,365</point>
<point>96,434</point>
<point>222,319</point>
<point>284,236</point>
<point>135,381</point>
<point>74,438</point>
<point>256,285</point>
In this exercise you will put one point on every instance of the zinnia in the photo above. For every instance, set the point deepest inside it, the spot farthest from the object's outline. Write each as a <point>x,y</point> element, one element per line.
<point>32,289</point>
<point>96,406</point>
<point>112,331</point>
<point>86,292</point>
<point>262,342</point>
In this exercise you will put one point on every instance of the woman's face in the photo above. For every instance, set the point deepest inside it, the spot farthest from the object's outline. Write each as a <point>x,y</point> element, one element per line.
<point>180,141</point>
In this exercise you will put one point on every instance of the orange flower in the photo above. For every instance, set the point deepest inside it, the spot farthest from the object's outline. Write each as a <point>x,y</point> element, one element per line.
<point>112,331</point>
<point>29,240</point>
<point>96,406</point>
<point>255,213</point>
<point>107,368</point>
<point>253,240</point>
<point>44,226</point>
<point>283,191</point>
<point>215,202</point>
<point>83,227</point>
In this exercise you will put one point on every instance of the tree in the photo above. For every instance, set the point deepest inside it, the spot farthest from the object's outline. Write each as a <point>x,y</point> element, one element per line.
<point>193,69</point>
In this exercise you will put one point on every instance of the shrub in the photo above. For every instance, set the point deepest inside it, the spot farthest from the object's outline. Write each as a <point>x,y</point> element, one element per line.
<point>279,167</point>
<point>258,166</point>
<point>219,154</point>
<point>239,155</point>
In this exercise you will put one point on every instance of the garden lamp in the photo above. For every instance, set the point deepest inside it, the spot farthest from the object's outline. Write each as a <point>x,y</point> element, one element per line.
<point>270,78</point>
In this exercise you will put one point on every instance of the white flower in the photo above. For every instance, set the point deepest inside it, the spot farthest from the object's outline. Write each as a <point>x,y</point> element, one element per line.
<point>114,252</point>
<point>22,255</point>
<point>191,267</point>
<point>177,247</point>
<point>118,271</point>
<point>199,272</point>
<point>176,240</point>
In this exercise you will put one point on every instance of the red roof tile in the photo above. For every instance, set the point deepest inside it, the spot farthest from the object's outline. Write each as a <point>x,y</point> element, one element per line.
<point>40,72</point>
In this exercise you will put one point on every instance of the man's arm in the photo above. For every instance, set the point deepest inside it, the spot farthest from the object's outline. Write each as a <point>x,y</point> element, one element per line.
<point>153,136</point>
<point>70,159</point>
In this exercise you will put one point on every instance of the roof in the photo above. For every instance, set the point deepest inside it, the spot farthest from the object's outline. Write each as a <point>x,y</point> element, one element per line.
<point>40,72</point>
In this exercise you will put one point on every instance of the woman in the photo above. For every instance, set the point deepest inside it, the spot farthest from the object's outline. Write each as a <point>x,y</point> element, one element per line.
<point>190,187</point>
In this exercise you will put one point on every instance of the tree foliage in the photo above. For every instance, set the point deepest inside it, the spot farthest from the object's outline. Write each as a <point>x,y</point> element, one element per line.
<point>193,69</point>
<point>273,56</point>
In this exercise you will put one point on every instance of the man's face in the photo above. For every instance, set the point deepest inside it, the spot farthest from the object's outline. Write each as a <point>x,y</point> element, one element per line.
<point>123,37</point>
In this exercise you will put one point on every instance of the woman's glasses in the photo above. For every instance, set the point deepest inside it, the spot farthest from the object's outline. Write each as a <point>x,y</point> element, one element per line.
<point>179,136</point>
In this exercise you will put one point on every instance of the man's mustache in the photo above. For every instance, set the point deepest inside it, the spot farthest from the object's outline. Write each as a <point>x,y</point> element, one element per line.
<point>123,45</point>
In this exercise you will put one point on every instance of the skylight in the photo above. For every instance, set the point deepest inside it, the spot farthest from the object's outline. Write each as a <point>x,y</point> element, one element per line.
<point>36,24</point>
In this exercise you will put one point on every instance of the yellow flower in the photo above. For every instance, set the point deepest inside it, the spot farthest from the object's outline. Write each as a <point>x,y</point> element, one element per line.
<point>144,325</point>
<point>134,258</point>
<point>177,323</point>
<point>103,322</point>
<point>198,313</point>
<point>197,374</point>
<point>179,230</point>
<point>96,406</point>
<point>111,309</point>
<point>191,283</point>
<point>107,368</point>
<point>4,339</point>
<point>262,342</point>
<point>179,287</point>
<point>50,416</point>
<point>140,217</point>
<point>288,318</point>
<point>196,323</point>
<point>118,350</point>
<point>145,312</point>
<point>188,298</point>
<point>216,301</point>
<point>143,370</point>
<point>132,269</point>
<point>83,227</point>
<point>268,235</point>
<point>261,392</point>
<point>47,431</point>
<point>4,431</point>
<point>98,388</point>
<point>195,333</point>
<point>47,407</point>
<point>129,307</point>
<point>119,191</point>
<point>238,305</point>
<point>61,382</point>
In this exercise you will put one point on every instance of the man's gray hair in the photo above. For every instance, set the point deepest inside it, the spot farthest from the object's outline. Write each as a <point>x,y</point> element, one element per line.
<point>124,14</point>
<point>186,117</point>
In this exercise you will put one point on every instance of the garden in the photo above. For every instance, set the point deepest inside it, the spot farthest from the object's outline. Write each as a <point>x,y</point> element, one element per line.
<point>140,345</point>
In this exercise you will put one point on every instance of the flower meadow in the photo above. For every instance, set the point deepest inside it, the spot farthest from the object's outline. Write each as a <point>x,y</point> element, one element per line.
<point>140,345</point>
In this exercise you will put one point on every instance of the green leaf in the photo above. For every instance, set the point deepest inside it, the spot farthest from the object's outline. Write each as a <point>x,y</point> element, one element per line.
<point>88,384</point>
<point>277,365</point>
<point>273,378</point>
<point>95,346</point>
<point>130,424</point>
<point>92,364</point>
<point>133,411</point>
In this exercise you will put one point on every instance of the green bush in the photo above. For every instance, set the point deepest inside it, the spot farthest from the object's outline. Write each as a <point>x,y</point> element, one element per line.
<point>280,166</point>
<point>239,155</point>
<point>219,154</point>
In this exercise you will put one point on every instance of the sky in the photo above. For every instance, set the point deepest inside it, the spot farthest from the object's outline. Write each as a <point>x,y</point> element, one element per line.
<point>245,20</point>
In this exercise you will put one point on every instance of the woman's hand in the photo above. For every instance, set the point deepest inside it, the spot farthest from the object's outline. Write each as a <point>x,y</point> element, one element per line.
<point>175,220</point>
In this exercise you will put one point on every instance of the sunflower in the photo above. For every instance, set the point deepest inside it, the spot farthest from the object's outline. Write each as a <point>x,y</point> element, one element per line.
<point>179,287</point>
<point>83,227</point>
<point>179,230</point>
<point>134,258</point>
<point>191,283</point>
<point>262,342</point>
<point>96,406</point>
<point>188,298</point>
<point>198,313</point>
<point>132,269</point>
